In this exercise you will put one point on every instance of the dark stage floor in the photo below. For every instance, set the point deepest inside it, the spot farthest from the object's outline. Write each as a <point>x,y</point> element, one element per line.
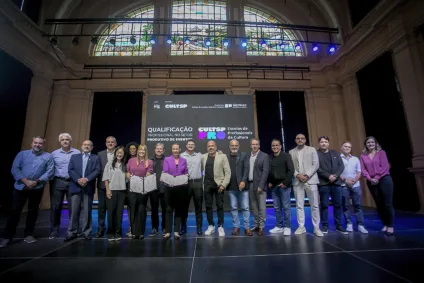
<point>272,258</point>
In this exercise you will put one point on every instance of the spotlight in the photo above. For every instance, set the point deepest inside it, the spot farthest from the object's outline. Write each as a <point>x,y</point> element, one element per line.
<point>297,46</point>
<point>225,42</point>
<point>53,41</point>
<point>169,41</point>
<point>75,41</point>
<point>187,40</point>
<point>133,40</point>
<point>152,40</point>
<point>315,47</point>
<point>243,43</point>
<point>331,49</point>
<point>282,45</point>
<point>263,43</point>
<point>208,42</point>
<point>112,41</point>
<point>94,40</point>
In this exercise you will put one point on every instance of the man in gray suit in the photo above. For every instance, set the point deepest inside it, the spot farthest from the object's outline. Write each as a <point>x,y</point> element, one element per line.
<point>306,164</point>
<point>105,157</point>
<point>257,181</point>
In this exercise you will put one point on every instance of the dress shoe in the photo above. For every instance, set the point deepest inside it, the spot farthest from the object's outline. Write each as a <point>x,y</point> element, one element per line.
<point>88,237</point>
<point>100,234</point>
<point>183,230</point>
<point>247,232</point>
<point>199,231</point>
<point>4,243</point>
<point>261,232</point>
<point>235,232</point>
<point>70,238</point>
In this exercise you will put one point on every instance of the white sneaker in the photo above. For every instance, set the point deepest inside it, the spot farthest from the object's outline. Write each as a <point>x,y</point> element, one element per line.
<point>362,229</point>
<point>287,231</point>
<point>318,233</point>
<point>301,230</point>
<point>210,230</point>
<point>221,231</point>
<point>349,227</point>
<point>276,230</point>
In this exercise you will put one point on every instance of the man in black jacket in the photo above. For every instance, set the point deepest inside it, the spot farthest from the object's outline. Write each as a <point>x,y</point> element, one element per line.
<point>237,189</point>
<point>158,196</point>
<point>331,166</point>
<point>280,179</point>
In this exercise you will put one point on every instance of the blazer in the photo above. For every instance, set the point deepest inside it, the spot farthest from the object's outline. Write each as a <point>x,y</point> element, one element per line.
<point>242,167</point>
<point>170,167</point>
<point>283,171</point>
<point>221,168</point>
<point>92,171</point>
<point>310,164</point>
<point>324,170</point>
<point>103,160</point>
<point>260,171</point>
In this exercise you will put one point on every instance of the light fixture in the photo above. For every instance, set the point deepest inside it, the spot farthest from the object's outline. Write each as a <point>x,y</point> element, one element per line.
<point>152,40</point>
<point>282,45</point>
<point>225,42</point>
<point>53,41</point>
<point>208,42</point>
<point>94,40</point>
<point>297,46</point>
<point>75,41</point>
<point>112,41</point>
<point>243,43</point>
<point>263,43</point>
<point>331,49</point>
<point>133,40</point>
<point>169,40</point>
<point>315,47</point>
<point>187,40</point>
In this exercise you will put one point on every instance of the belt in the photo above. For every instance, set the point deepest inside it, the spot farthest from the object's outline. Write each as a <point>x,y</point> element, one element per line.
<point>195,180</point>
<point>63,178</point>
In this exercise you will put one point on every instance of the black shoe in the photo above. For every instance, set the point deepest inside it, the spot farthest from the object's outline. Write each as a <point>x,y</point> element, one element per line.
<point>342,230</point>
<point>88,237</point>
<point>118,237</point>
<point>110,238</point>
<point>100,234</point>
<point>53,235</point>
<point>324,229</point>
<point>153,233</point>
<point>139,237</point>
<point>70,238</point>
<point>183,230</point>
<point>199,231</point>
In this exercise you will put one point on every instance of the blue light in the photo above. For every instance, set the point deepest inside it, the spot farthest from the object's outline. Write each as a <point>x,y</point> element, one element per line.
<point>225,42</point>
<point>282,45</point>
<point>187,41</point>
<point>208,42</point>
<point>243,43</point>
<point>331,49</point>
<point>263,43</point>
<point>169,41</point>
<point>315,47</point>
<point>297,46</point>
<point>152,40</point>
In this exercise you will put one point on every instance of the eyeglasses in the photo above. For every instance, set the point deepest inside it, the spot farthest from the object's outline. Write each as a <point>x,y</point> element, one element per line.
<point>301,138</point>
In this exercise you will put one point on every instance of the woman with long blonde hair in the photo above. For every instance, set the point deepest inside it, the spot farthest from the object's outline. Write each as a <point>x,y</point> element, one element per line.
<point>139,166</point>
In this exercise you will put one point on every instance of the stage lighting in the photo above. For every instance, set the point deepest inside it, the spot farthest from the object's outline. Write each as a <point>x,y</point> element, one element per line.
<point>208,42</point>
<point>315,47</point>
<point>225,42</point>
<point>282,45</point>
<point>112,41</point>
<point>169,41</point>
<point>331,49</point>
<point>187,40</point>
<point>297,46</point>
<point>243,43</point>
<point>53,41</point>
<point>263,44</point>
<point>94,40</point>
<point>133,40</point>
<point>152,40</point>
<point>75,41</point>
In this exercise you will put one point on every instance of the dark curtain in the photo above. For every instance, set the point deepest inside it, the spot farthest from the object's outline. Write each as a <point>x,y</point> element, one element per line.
<point>116,114</point>
<point>384,119</point>
<point>359,9</point>
<point>269,122</point>
<point>15,84</point>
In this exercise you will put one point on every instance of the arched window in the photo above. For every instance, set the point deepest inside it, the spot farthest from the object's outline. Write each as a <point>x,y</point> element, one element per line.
<point>266,40</point>
<point>127,39</point>
<point>198,38</point>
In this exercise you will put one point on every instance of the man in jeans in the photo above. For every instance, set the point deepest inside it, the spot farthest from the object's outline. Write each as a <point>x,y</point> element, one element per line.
<point>280,180</point>
<point>237,190</point>
<point>351,188</point>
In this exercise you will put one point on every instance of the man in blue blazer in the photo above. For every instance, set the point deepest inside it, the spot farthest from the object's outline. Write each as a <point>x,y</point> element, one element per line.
<point>83,170</point>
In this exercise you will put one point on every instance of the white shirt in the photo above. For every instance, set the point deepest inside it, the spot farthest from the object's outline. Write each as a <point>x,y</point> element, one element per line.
<point>194,164</point>
<point>352,166</point>
<point>110,155</point>
<point>252,165</point>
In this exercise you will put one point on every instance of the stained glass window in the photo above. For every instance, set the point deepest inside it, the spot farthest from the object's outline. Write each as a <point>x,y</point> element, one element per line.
<point>199,38</point>
<point>266,40</point>
<point>128,39</point>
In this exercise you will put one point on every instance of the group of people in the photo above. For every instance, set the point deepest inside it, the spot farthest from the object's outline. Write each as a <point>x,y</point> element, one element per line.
<point>320,173</point>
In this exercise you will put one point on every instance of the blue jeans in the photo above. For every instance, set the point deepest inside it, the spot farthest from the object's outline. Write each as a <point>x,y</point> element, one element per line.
<point>336,198</point>
<point>240,197</point>
<point>356,195</point>
<point>281,197</point>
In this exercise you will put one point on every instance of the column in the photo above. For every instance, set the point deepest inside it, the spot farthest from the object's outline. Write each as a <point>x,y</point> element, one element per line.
<point>37,108</point>
<point>337,116</point>
<point>235,12</point>
<point>56,123</point>
<point>355,126</point>
<point>161,50</point>
<point>409,68</point>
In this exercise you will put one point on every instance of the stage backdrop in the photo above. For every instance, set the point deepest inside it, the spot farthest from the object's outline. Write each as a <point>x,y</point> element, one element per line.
<point>175,119</point>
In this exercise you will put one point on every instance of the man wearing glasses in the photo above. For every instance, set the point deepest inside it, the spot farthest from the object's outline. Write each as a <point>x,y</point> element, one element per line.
<point>306,164</point>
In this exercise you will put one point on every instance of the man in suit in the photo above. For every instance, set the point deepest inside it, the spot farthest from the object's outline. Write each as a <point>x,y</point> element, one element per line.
<point>105,157</point>
<point>257,181</point>
<point>305,161</point>
<point>280,180</point>
<point>331,166</point>
<point>237,189</point>
<point>83,170</point>
<point>216,179</point>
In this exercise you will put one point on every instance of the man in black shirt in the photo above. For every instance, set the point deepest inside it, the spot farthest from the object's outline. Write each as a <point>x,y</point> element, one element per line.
<point>237,190</point>
<point>331,166</point>
<point>280,180</point>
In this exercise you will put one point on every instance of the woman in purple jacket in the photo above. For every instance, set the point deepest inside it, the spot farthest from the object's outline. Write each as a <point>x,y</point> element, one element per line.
<point>375,169</point>
<point>175,196</point>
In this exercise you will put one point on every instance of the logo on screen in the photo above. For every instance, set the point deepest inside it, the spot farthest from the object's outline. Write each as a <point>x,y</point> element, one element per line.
<point>156,106</point>
<point>211,133</point>
<point>228,106</point>
<point>175,105</point>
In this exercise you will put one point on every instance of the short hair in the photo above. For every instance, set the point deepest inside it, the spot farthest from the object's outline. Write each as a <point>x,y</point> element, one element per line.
<point>211,141</point>
<point>111,137</point>
<point>235,141</point>
<point>255,139</point>
<point>65,135</point>
<point>176,144</point>
<point>323,137</point>
<point>39,137</point>
<point>160,144</point>
<point>347,142</point>
<point>277,140</point>
<point>190,140</point>
<point>92,144</point>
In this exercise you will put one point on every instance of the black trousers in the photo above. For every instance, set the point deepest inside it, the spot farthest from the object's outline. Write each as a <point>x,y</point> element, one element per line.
<point>138,207</point>
<point>58,190</point>
<point>211,190</point>
<point>156,198</point>
<point>176,199</point>
<point>101,209</point>
<point>195,191</point>
<point>19,199</point>
<point>115,211</point>
<point>382,194</point>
